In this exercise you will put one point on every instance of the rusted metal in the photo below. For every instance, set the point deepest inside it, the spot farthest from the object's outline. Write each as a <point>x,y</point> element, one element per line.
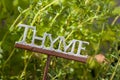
<point>46,68</point>
<point>51,52</point>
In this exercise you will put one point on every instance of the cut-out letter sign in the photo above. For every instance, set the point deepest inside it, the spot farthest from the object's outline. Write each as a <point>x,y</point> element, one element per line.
<point>64,50</point>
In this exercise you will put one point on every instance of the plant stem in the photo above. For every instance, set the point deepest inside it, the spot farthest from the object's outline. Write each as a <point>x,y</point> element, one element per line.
<point>53,20</point>
<point>26,64</point>
<point>3,39</point>
<point>113,74</point>
<point>8,58</point>
<point>116,18</point>
<point>69,34</point>
<point>34,19</point>
<point>11,28</point>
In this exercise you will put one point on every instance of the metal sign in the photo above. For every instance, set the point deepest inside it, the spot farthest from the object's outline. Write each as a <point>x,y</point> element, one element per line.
<point>50,50</point>
<point>67,51</point>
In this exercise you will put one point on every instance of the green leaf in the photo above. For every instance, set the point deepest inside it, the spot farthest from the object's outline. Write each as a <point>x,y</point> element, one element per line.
<point>20,9</point>
<point>116,11</point>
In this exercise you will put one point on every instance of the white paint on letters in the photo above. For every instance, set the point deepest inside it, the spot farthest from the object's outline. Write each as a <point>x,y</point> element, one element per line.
<point>26,30</point>
<point>61,40</point>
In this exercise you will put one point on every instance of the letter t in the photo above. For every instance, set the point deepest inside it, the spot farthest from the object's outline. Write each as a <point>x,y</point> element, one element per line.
<point>26,31</point>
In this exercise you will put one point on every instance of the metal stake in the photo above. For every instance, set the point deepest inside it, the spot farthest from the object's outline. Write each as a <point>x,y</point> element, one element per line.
<point>46,68</point>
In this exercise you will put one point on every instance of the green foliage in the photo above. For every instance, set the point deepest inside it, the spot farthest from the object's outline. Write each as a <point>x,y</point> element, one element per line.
<point>76,19</point>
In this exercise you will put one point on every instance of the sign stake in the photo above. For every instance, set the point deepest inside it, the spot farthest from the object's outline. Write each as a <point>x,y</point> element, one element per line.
<point>46,68</point>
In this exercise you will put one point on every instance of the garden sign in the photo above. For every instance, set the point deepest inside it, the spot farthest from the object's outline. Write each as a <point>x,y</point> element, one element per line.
<point>67,51</point>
